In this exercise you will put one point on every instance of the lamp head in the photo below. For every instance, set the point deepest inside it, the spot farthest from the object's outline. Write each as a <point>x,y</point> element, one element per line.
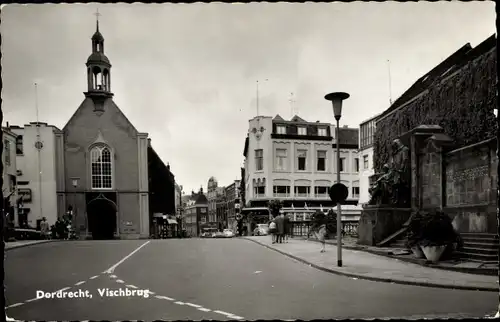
<point>74,181</point>
<point>336,99</point>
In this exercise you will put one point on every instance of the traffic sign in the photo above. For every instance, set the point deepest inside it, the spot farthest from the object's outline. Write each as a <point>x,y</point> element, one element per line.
<point>338,193</point>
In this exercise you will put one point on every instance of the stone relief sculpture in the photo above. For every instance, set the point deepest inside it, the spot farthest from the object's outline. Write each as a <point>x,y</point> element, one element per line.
<point>393,185</point>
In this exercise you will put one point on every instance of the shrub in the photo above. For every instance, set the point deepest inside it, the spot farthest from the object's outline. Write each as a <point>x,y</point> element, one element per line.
<point>275,206</point>
<point>437,230</point>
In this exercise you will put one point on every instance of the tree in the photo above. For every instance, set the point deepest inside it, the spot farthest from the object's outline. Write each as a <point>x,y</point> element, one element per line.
<point>320,218</point>
<point>275,206</point>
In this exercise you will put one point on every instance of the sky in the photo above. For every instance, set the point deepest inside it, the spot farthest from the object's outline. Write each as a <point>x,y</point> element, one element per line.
<point>187,74</point>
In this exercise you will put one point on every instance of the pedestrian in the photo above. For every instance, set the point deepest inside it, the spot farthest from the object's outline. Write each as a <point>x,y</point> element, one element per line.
<point>286,225</point>
<point>272,230</point>
<point>321,235</point>
<point>44,228</point>
<point>280,226</point>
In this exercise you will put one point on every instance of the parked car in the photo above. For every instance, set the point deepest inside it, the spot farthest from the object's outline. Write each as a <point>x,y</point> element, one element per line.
<point>218,234</point>
<point>228,233</point>
<point>261,230</point>
<point>206,235</point>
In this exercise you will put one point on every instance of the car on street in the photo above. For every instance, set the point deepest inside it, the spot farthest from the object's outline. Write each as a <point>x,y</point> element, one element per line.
<point>261,230</point>
<point>218,234</point>
<point>228,233</point>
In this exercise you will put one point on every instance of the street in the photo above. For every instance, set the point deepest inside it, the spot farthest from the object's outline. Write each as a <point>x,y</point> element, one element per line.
<point>219,279</point>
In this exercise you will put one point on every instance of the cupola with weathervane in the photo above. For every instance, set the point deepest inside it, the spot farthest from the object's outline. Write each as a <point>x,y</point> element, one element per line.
<point>98,71</point>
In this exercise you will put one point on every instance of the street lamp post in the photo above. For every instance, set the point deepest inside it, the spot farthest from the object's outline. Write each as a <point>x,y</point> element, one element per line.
<point>74,182</point>
<point>336,99</point>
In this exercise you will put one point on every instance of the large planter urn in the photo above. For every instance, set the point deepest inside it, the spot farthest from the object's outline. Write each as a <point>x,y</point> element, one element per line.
<point>433,253</point>
<point>417,252</point>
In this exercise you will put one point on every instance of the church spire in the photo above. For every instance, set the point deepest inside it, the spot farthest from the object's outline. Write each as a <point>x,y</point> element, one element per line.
<point>98,70</point>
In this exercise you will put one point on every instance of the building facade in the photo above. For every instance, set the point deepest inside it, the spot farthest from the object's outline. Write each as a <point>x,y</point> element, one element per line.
<point>9,175</point>
<point>295,161</point>
<point>366,134</point>
<point>36,163</point>
<point>102,161</point>
<point>195,215</point>
<point>233,199</point>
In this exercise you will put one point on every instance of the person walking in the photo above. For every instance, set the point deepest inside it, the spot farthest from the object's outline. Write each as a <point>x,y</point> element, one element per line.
<point>272,230</point>
<point>286,225</point>
<point>44,228</point>
<point>280,225</point>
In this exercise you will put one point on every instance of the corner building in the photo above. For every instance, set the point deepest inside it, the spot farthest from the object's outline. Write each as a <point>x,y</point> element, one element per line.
<point>101,151</point>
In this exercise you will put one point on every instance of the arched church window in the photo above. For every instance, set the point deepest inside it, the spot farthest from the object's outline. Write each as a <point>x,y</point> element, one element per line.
<point>101,163</point>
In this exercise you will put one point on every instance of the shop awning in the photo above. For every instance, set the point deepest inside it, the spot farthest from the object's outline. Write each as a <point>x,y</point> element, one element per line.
<point>172,221</point>
<point>259,210</point>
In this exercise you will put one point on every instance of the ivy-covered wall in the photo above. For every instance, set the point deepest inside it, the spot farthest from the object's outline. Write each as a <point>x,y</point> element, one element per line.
<point>462,105</point>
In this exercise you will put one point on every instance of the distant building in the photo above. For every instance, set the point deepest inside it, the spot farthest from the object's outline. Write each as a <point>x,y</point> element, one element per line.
<point>195,216</point>
<point>295,161</point>
<point>366,135</point>
<point>9,176</point>
<point>233,200</point>
<point>36,162</point>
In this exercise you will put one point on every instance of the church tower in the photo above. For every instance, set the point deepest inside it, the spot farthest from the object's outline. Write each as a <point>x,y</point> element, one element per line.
<point>98,72</point>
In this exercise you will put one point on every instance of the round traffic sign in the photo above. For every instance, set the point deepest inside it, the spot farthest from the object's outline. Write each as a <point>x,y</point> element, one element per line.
<point>338,193</point>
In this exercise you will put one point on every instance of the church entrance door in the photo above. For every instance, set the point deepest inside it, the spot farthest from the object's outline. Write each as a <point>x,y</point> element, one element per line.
<point>101,214</point>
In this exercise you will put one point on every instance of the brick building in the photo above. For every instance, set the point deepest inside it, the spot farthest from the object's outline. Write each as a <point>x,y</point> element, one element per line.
<point>102,161</point>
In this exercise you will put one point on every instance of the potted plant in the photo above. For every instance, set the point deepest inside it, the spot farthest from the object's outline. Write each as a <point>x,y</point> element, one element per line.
<point>437,233</point>
<point>414,234</point>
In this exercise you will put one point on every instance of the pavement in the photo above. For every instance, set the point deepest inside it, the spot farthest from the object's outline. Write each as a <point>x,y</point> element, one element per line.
<point>208,279</point>
<point>364,265</point>
<point>459,265</point>
<point>24,243</point>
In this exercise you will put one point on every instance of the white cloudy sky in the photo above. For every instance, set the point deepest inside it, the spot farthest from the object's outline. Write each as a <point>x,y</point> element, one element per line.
<point>186,74</point>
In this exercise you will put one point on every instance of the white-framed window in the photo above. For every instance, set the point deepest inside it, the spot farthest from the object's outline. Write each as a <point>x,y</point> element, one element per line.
<point>365,162</point>
<point>259,160</point>
<point>280,159</point>
<point>320,191</point>
<point>322,131</point>
<point>281,191</point>
<point>355,192</point>
<point>259,191</point>
<point>302,191</point>
<point>6,145</point>
<point>342,165</point>
<point>280,129</point>
<point>321,162</point>
<point>301,130</point>
<point>101,167</point>
<point>356,164</point>
<point>301,160</point>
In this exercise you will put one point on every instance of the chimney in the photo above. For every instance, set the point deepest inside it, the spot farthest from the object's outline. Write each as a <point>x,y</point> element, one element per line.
<point>7,125</point>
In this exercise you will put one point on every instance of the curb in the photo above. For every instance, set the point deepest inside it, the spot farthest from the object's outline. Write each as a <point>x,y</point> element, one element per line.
<point>27,244</point>
<point>473,271</point>
<point>381,279</point>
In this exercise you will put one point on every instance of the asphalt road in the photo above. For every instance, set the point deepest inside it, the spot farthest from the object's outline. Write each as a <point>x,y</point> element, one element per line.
<point>219,279</point>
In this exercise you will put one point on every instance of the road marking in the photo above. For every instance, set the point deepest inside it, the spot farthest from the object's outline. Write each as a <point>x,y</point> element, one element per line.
<point>152,293</point>
<point>93,277</point>
<point>179,302</point>
<point>64,289</point>
<point>223,313</point>
<point>79,283</point>
<point>161,297</point>
<point>119,281</point>
<point>112,268</point>
<point>31,300</point>
<point>112,276</point>
<point>204,309</point>
<point>236,317</point>
<point>14,305</point>
<point>193,305</point>
<point>132,286</point>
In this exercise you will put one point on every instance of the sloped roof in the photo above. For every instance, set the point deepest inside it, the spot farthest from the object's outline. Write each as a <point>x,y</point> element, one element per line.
<point>348,136</point>
<point>297,118</point>
<point>201,199</point>
<point>278,118</point>
<point>454,62</point>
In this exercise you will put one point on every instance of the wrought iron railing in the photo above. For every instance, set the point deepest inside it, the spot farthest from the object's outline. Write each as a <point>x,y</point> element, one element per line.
<point>301,228</point>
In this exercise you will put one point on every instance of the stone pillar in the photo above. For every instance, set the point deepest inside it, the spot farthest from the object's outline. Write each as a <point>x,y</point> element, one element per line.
<point>415,204</point>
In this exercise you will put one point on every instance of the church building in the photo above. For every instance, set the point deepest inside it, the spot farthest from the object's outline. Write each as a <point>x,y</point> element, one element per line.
<point>102,161</point>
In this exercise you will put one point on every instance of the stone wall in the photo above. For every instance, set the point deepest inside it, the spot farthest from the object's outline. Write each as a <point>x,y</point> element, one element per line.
<point>470,187</point>
<point>430,174</point>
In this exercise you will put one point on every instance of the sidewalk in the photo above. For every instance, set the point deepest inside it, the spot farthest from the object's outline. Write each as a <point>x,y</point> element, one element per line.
<point>23,243</point>
<point>364,265</point>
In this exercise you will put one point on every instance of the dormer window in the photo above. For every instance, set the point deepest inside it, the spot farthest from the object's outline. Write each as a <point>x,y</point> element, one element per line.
<point>322,131</point>
<point>302,130</point>
<point>281,129</point>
